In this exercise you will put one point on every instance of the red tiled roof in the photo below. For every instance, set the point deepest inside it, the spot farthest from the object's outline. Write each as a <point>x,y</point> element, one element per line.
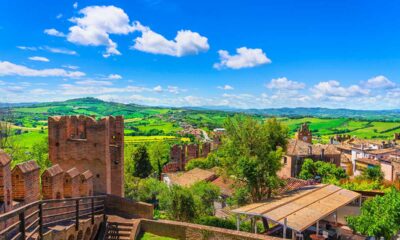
<point>87,174</point>
<point>368,161</point>
<point>4,158</point>
<point>226,185</point>
<point>54,170</point>
<point>292,184</point>
<point>28,166</point>
<point>73,172</point>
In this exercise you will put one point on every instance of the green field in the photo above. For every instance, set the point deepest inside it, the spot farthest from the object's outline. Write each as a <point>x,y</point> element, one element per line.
<point>324,128</point>
<point>150,124</point>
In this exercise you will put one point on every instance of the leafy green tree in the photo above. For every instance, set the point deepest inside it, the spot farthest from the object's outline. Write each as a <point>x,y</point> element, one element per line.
<point>178,203</point>
<point>327,171</point>
<point>205,194</point>
<point>144,189</point>
<point>40,153</point>
<point>373,173</point>
<point>253,152</point>
<point>212,160</point>
<point>380,216</point>
<point>239,197</point>
<point>159,156</point>
<point>141,163</point>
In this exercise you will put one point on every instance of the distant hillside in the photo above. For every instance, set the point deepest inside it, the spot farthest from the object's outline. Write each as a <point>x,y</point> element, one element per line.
<point>93,106</point>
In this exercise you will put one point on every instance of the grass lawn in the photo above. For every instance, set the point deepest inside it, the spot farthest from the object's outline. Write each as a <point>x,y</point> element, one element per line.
<point>150,236</point>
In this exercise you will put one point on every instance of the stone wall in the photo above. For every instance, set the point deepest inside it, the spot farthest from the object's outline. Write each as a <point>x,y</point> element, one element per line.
<point>188,231</point>
<point>127,208</point>
<point>181,155</point>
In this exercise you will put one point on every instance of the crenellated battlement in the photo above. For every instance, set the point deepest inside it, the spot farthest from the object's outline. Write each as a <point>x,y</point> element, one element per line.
<point>90,144</point>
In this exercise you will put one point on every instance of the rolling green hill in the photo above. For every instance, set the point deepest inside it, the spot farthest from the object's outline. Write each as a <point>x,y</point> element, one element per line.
<point>147,124</point>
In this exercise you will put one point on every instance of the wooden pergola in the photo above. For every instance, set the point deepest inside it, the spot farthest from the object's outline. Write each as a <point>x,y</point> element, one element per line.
<point>300,209</point>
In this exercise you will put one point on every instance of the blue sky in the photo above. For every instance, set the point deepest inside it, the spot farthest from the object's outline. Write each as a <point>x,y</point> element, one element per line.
<point>245,54</point>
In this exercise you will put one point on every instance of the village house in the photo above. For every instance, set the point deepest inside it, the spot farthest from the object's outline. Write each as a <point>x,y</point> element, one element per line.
<point>298,150</point>
<point>362,154</point>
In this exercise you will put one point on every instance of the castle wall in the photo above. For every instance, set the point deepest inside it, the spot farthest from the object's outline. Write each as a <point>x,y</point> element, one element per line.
<point>6,187</point>
<point>88,144</point>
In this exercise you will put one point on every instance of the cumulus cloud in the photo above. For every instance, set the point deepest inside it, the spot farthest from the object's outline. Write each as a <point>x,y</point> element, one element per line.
<point>225,87</point>
<point>334,91</point>
<point>96,25</point>
<point>54,32</point>
<point>158,89</point>
<point>285,84</point>
<point>75,5</point>
<point>185,43</point>
<point>114,76</point>
<point>59,16</point>
<point>11,69</point>
<point>379,82</point>
<point>244,58</point>
<point>40,59</point>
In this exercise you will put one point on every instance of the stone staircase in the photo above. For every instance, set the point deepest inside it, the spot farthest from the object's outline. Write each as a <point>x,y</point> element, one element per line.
<point>120,228</point>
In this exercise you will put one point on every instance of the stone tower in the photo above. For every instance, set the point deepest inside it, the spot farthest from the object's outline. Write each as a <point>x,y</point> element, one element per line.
<point>304,134</point>
<point>89,144</point>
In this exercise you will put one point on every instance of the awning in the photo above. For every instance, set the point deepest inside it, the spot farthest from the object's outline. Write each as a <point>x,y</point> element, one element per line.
<point>301,208</point>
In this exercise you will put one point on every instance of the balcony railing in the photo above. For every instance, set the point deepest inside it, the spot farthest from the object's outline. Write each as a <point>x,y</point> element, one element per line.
<point>33,218</point>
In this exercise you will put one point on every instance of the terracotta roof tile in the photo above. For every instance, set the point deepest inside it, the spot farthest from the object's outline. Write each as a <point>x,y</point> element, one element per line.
<point>226,185</point>
<point>368,161</point>
<point>28,166</point>
<point>54,170</point>
<point>191,177</point>
<point>73,172</point>
<point>4,158</point>
<point>87,174</point>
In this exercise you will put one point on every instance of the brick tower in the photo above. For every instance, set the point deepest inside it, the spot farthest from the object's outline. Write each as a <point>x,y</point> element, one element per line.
<point>89,144</point>
<point>304,134</point>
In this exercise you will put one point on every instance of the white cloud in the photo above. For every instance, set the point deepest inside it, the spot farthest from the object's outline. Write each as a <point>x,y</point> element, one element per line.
<point>59,50</point>
<point>49,49</point>
<point>54,32</point>
<point>59,16</point>
<point>379,82</point>
<point>244,58</point>
<point>40,59</point>
<point>158,89</point>
<point>285,84</point>
<point>225,87</point>
<point>114,76</point>
<point>95,26</point>
<point>75,5</point>
<point>27,48</point>
<point>175,89</point>
<point>73,67</point>
<point>94,83</point>
<point>11,69</point>
<point>334,91</point>
<point>76,90</point>
<point>185,43</point>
